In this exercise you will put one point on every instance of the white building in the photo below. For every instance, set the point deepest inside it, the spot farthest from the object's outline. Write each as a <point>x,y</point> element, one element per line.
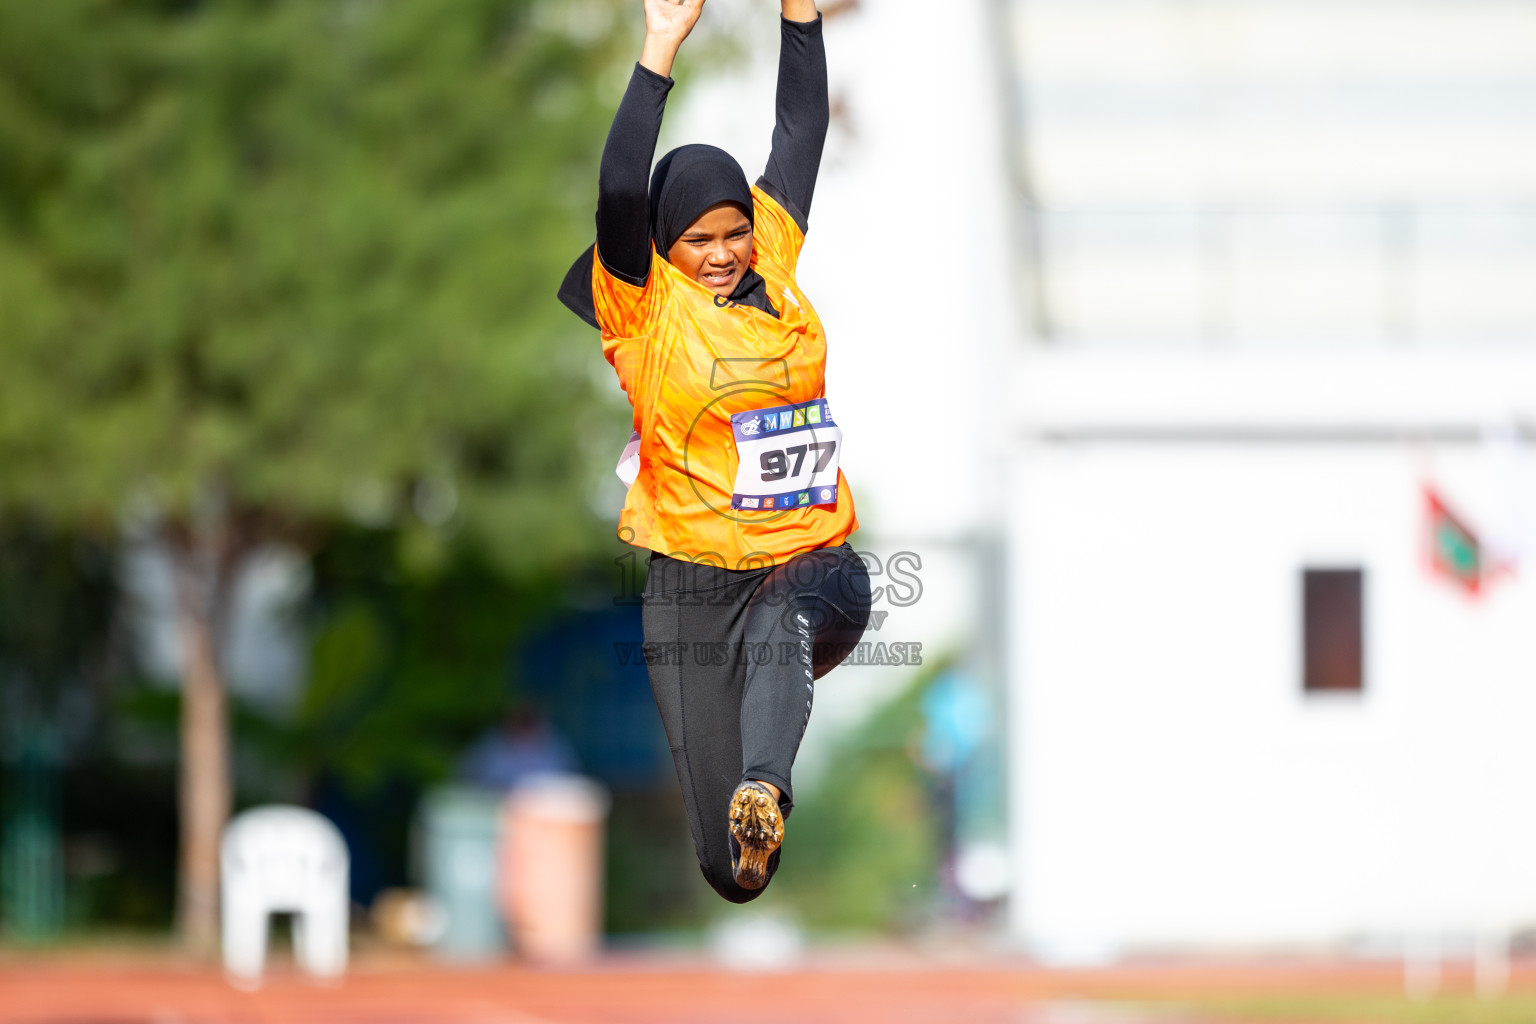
<point>1280,263</point>
<point>1179,305</point>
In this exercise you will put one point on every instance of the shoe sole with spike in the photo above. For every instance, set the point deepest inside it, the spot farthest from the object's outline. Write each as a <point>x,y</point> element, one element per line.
<point>757,828</point>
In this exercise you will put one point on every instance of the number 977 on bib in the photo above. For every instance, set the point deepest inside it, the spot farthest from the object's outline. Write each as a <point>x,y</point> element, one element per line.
<point>788,456</point>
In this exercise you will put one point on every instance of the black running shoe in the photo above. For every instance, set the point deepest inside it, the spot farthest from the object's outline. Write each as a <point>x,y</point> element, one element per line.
<point>757,829</point>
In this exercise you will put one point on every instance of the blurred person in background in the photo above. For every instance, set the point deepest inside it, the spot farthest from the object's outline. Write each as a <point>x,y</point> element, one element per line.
<point>736,492</point>
<point>523,745</point>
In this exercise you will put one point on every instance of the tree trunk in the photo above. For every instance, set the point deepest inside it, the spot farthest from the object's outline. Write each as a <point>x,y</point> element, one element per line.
<point>203,558</point>
<point>205,784</point>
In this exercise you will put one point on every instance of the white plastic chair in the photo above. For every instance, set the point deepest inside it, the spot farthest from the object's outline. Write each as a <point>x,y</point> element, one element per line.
<point>284,860</point>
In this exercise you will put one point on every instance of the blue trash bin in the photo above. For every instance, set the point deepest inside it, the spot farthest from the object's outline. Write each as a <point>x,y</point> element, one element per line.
<point>458,829</point>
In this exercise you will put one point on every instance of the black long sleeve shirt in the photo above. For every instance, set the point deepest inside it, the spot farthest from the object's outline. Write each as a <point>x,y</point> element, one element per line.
<point>799,134</point>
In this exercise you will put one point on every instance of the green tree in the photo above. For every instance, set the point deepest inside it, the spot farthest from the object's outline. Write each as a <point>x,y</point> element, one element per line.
<point>269,264</point>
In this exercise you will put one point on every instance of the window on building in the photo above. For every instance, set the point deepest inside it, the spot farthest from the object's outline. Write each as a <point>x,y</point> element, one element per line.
<point>1332,626</point>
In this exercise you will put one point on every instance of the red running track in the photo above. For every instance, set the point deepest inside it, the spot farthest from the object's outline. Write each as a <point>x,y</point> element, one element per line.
<point>903,990</point>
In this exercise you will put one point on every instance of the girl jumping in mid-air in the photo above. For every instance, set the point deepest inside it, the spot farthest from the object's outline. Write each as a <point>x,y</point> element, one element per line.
<point>753,593</point>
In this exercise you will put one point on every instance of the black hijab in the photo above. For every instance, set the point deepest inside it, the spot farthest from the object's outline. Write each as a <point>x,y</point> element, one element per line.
<point>687,181</point>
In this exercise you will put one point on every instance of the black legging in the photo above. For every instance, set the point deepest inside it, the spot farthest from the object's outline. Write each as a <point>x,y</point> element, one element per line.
<point>733,656</point>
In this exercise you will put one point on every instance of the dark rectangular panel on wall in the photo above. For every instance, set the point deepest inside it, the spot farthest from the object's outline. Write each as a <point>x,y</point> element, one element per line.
<point>1333,627</point>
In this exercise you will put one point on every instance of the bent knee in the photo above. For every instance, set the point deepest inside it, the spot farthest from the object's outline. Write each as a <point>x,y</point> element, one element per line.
<point>725,885</point>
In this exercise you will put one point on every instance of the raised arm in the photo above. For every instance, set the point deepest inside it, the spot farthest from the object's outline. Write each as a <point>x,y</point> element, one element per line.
<point>623,218</point>
<point>803,114</point>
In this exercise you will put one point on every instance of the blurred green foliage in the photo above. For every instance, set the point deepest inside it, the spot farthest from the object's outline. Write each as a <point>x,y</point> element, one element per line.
<point>304,251</point>
<point>407,669</point>
<point>651,882</point>
<point>58,600</point>
<point>57,603</point>
<point>301,255</point>
<point>861,849</point>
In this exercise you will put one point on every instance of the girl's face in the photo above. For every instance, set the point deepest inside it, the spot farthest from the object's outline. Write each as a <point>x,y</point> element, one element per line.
<point>716,249</point>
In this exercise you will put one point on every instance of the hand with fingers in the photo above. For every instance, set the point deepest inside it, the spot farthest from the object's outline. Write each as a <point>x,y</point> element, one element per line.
<point>667,24</point>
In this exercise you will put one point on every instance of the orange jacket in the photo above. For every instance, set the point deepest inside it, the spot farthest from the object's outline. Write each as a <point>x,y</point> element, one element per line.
<point>688,359</point>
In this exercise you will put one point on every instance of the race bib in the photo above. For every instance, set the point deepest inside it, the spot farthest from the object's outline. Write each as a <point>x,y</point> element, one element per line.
<point>788,456</point>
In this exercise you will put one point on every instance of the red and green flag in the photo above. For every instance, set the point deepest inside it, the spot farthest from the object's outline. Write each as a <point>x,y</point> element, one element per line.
<point>1455,552</point>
